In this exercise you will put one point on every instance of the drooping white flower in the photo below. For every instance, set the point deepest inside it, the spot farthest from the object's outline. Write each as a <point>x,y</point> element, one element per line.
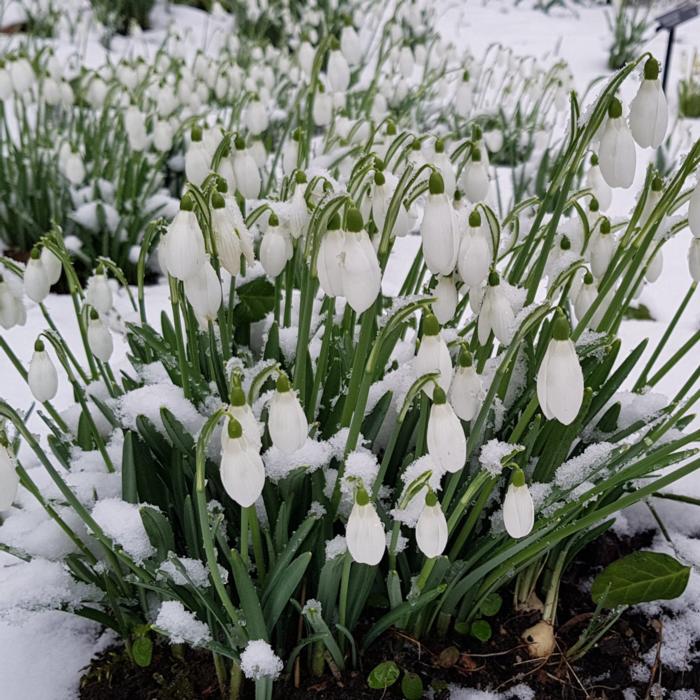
<point>245,171</point>
<point>474,258</point>
<point>9,310</point>
<point>328,265</point>
<point>286,421</point>
<point>197,158</point>
<point>518,507</point>
<point>496,313</point>
<point>443,163</point>
<point>73,168</point>
<point>694,211</point>
<point>36,280</point>
<point>694,259</point>
<point>361,276</point>
<point>242,470</point>
<point>602,248</point>
<point>163,135</point>
<point>406,62</point>
<point>431,528</point>
<point>350,45</point>
<point>595,180</point>
<point>255,116</point>
<point>22,75</point>
<point>475,177</point>
<point>243,413</point>
<point>98,292</point>
<point>587,294</point>
<point>231,236</point>
<point>322,110</point>
<point>41,376</point>
<point>655,267</point>
<point>203,291</point>
<point>274,248</point>
<point>99,338</point>
<point>338,71</point>
<point>559,378</point>
<point>617,154</point>
<point>364,533</point>
<point>649,110</point>
<point>382,192</point>
<point>52,265</point>
<point>466,392</point>
<point>437,229</point>
<point>297,214</point>
<point>445,305</point>
<point>433,356</point>
<point>184,252</point>
<point>445,437</point>
<point>9,479</point>
<point>306,57</point>
<point>290,152</point>
<point>463,96</point>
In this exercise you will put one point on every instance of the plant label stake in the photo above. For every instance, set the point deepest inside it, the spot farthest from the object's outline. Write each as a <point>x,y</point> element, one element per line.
<point>669,21</point>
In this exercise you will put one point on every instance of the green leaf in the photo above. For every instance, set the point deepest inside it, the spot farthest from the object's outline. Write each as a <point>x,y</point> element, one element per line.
<point>129,490</point>
<point>282,593</point>
<point>249,598</point>
<point>412,686</point>
<point>255,300</point>
<point>640,577</point>
<point>481,630</point>
<point>491,604</point>
<point>383,675</point>
<point>159,531</point>
<point>142,651</point>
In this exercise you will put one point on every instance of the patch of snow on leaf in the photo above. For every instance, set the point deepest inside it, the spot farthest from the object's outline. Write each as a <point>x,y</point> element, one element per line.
<point>122,522</point>
<point>259,661</point>
<point>181,626</point>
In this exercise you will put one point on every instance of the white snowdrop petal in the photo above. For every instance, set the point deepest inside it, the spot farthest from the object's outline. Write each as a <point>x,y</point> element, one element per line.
<point>365,537</point>
<point>518,511</point>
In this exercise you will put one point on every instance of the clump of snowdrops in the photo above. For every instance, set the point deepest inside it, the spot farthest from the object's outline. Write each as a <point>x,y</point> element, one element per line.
<point>297,452</point>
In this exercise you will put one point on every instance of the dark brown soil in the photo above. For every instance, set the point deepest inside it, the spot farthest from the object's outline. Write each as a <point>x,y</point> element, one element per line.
<point>499,664</point>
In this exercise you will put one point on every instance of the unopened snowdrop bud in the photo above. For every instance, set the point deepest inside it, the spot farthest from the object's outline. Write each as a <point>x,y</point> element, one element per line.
<point>602,248</point>
<point>438,229</point>
<point>431,528</point>
<point>445,437</point>
<point>433,356</point>
<point>197,160</point>
<point>364,533</point>
<point>36,281</point>
<point>243,413</point>
<point>9,479</point>
<point>99,337</point>
<point>694,211</point>
<point>338,71</point>
<point>560,379</point>
<point>518,507</point>
<point>245,171</point>
<point>350,45</point>
<point>694,259</point>
<point>361,276</point>
<point>184,245</point>
<point>466,390</point>
<point>474,258</point>
<point>328,263</point>
<point>649,110</point>
<point>475,178</point>
<point>585,297</point>
<point>52,265</point>
<point>595,180</point>
<point>618,155</point>
<point>287,422</point>
<point>242,470</point>
<point>42,377</point>
<point>203,291</point>
<point>98,293</point>
<point>496,313</point>
<point>445,305</point>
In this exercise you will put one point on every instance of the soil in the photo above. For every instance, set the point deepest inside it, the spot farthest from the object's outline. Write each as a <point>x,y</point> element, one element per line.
<point>498,664</point>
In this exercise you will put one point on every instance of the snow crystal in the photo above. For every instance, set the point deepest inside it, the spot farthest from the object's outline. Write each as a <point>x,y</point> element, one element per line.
<point>637,407</point>
<point>180,625</point>
<point>494,452</point>
<point>259,661</point>
<point>194,570</point>
<point>579,468</point>
<point>122,522</point>
<point>411,512</point>
<point>401,542</point>
<point>539,492</point>
<point>316,510</point>
<point>360,464</point>
<point>684,694</point>
<point>519,692</point>
<point>312,455</point>
<point>336,547</point>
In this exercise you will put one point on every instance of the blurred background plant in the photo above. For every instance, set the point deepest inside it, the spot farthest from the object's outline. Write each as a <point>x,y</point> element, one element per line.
<point>629,25</point>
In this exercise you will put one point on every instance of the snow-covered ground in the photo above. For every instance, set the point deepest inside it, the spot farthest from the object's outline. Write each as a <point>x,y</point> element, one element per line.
<point>41,655</point>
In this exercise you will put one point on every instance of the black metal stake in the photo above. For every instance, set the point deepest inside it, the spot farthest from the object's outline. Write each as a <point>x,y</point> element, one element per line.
<point>667,62</point>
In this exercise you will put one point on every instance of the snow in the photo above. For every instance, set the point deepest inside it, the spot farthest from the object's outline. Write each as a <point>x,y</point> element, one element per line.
<point>122,522</point>
<point>494,452</point>
<point>336,547</point>
<point>259,661</point>
<point>180,625</point>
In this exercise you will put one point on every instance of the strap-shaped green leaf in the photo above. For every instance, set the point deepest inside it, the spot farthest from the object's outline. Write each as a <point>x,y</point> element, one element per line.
<point>279,597</point>
<point>250,602</point>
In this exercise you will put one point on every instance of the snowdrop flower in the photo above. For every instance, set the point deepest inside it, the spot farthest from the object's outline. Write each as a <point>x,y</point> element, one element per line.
<point>184,252</point>
<point>382,192</point>
<point>256,120</point>
<point>9,309</point>
<point>602,248</point>
<point>203,291</point>
<point>474,258</point>
<point>649,110</point>
<point>361,276</point>
<point>444,164</point>
<point>99,337</point>
<point>694,259</point>
<point>290,152</point>
<point>433,356</point>
<point>560,379</point>
<point>437,229</point>
<point>245,171</point>
<point>475,177</point>
<point>22,75</point>
<point>655,266</point>
<point>5,84</point>
<point>445,437</point>
<point>466,390</point>
<point>350,45</point>
<point>52,265</point>
<point>595,180</point>
<point>286,421</point>
<point>73,168</point>
<point>617,155</point>
<point>463,97</point>
<point>9,479</point>
<point>297,213</point>
<point>406,62</point>
<point>274,248</point>
<point>653,197</point>
<point>364,533</point>
<point>162,135</point>
<point>694,211</point>
<point>445,305</point>
<point>431,528</point>
<point>42,377</point>
<point>493,140</point>
<point>231,235</point>
<point>496,313</point>
<point>36,281</point>
<point>243,413</point>
<point>322,111</point>
<point>328,266</point>
<point>518,507</point>
<point>306,57</point>
<point>338,71</point>
<point>98,292</point>
<point>585,298</point>
<point>197,159</point>
<point>242,470</point>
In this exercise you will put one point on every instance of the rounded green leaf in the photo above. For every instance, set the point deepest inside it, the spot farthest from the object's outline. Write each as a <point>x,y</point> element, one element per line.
<point>480,629</point>
<point>640,577</point>
<point>412,686</point>
<point>491,605</point>
<point>383,675</point>
<point>142,651</point>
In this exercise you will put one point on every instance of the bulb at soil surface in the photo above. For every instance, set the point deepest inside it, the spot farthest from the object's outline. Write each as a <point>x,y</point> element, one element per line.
<point>540,640</point>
